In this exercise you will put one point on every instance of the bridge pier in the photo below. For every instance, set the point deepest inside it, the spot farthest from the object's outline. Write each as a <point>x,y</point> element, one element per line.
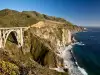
<point>0,39</point>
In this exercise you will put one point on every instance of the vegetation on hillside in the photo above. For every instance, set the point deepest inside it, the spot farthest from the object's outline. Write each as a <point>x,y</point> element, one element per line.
<point>13,18</point>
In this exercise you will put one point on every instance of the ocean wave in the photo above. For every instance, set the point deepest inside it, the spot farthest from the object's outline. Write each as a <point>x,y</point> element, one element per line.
<point>72,65</point>
<point>82,70</point>
<point>79,43</point>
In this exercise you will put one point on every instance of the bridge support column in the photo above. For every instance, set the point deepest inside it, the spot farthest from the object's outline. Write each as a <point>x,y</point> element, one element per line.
<point>20,37</point>
<point>0,39</point>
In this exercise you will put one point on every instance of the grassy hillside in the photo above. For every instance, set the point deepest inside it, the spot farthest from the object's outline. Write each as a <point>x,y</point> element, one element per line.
<point>12,18</point>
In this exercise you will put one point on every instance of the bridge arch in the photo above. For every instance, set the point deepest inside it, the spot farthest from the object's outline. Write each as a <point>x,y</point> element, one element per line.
<point>13,33</point>
<point>18,35</point>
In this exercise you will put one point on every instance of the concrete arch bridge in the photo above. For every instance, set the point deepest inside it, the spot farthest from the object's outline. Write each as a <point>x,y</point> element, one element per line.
<point>18,32</point>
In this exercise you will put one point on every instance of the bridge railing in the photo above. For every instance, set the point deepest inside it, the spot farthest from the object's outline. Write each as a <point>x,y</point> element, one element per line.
<point>13,27</point>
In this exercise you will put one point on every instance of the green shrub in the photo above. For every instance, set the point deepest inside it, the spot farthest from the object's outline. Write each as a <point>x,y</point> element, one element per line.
<point>7,68</point>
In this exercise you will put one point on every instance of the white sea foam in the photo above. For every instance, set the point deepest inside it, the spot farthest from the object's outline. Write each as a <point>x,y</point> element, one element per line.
<point>79,43</point>
<point>67,55</point>
<point>82,70</point>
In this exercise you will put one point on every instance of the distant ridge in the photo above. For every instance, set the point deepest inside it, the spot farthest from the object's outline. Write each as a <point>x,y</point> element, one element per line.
<point>13,18</point>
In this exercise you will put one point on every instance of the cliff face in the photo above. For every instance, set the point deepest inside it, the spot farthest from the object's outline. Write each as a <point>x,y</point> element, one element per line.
<point>57,35</point>
<point>57,38</point>
<point>42,43</point>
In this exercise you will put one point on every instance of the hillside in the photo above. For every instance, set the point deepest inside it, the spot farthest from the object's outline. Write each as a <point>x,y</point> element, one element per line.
<point>43,41</point>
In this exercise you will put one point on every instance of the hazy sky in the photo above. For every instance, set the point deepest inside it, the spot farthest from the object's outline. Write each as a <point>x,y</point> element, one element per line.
<point>80,12</point>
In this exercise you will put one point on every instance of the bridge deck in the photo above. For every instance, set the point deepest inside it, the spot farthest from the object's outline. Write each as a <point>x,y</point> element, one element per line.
<point>12,27</point>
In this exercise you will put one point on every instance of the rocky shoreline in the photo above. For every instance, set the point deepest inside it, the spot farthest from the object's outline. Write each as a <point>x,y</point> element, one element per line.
<point>69,61</point>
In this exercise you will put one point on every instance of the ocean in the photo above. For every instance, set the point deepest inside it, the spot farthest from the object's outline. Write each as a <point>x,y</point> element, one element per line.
<point>87,50</point>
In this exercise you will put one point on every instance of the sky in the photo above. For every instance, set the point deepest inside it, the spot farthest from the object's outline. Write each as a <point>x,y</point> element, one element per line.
<point>79,12</point>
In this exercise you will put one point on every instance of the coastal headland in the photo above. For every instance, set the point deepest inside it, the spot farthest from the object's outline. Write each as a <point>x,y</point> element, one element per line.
<point>43,41</point>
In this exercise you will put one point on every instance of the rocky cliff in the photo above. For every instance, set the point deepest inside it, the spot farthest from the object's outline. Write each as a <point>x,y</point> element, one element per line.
<point>45,37</point>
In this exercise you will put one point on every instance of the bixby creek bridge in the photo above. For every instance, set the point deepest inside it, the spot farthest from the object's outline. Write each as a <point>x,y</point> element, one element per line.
<point>18,32</point>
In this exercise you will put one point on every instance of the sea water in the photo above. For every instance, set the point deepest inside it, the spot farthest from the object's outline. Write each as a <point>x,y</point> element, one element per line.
<point>87,51</point>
